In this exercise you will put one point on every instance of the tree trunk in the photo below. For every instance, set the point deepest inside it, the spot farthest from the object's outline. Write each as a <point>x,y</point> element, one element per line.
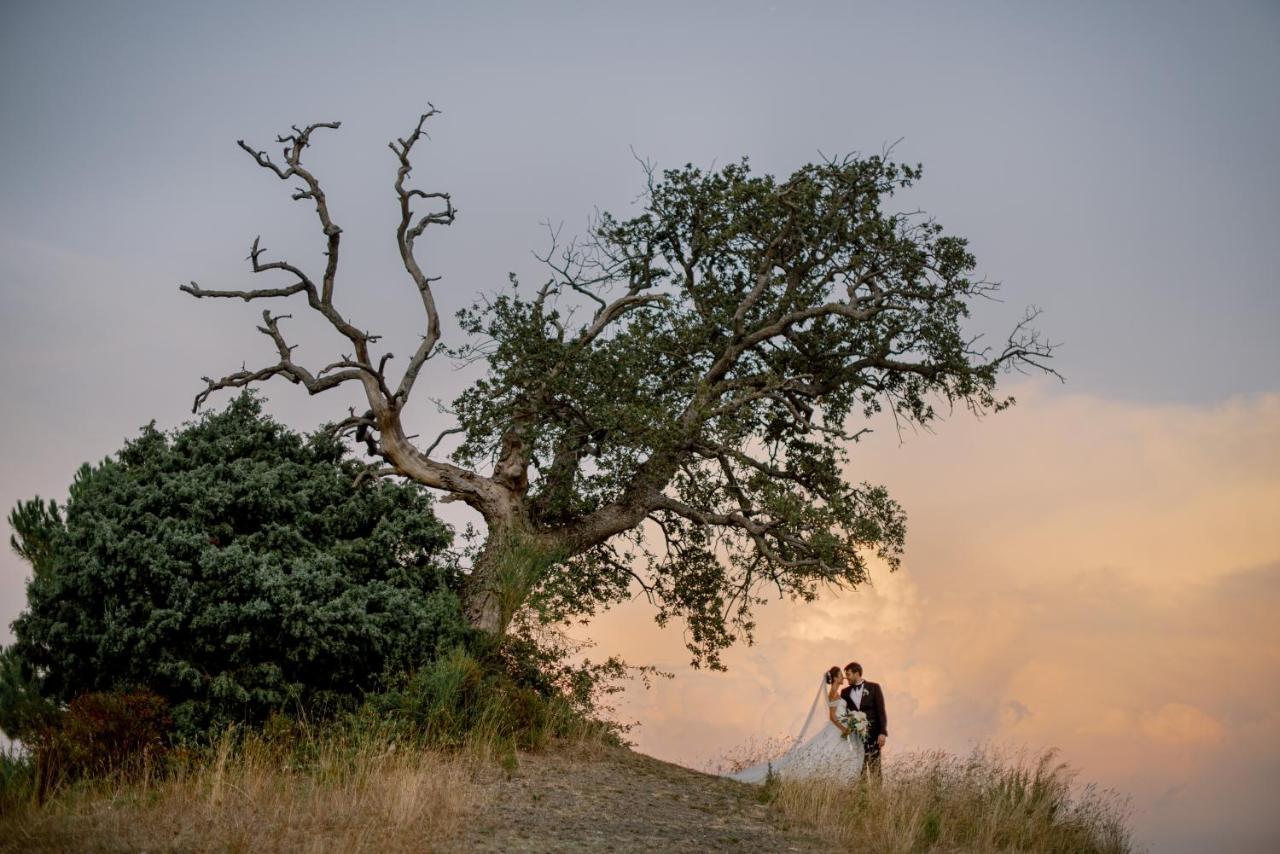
<point>505,572</point>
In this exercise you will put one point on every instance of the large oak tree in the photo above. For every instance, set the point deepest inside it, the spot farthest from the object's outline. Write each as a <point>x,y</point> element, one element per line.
<point>671,410</point>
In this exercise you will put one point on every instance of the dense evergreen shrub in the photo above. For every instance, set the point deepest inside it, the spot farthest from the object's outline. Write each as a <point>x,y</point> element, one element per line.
<point>233,567</point>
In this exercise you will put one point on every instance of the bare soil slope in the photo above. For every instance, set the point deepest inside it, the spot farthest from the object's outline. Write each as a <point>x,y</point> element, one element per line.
<point>612,799</point>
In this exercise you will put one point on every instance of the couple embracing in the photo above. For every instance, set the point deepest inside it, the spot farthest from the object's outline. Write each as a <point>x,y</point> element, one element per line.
<point>847,745</point>
<point>862,718</point>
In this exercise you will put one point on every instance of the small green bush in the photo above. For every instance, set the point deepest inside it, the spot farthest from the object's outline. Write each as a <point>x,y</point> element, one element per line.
<point>458,698</point>
<point>520,693</point>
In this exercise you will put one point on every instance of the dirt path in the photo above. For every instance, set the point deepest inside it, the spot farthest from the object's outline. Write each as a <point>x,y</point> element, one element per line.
<point>610,799</point>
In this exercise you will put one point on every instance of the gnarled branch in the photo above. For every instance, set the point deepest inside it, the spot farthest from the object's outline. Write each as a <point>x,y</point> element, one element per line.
<point>285,367</point>
<point>407,234</point>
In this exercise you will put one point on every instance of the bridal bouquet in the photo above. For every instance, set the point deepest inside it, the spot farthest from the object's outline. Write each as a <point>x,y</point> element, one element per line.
<point>856,722</point>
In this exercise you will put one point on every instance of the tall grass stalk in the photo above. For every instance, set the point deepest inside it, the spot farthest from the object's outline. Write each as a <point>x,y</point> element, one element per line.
<point>987,802</point>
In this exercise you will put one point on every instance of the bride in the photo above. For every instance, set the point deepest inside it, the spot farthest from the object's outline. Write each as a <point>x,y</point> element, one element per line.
<point>832,751</point>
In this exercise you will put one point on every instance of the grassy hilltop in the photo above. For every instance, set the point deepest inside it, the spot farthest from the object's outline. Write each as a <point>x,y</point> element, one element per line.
<point>352,790</point>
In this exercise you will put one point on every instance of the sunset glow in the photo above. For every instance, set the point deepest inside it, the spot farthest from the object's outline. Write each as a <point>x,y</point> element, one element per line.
<point>1096,569</point>
<point>1094,575</point>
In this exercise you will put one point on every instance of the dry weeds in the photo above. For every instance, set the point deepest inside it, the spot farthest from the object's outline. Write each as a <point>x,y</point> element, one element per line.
<point>372,793</point>
<point>986,802</point>
<point>251,798</point>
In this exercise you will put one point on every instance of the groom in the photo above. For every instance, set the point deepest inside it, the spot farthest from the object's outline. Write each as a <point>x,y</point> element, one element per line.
<point>867,697</point>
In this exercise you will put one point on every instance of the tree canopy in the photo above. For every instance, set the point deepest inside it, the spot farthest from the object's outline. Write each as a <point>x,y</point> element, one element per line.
<point>234,567</point>
<point>670,412</point>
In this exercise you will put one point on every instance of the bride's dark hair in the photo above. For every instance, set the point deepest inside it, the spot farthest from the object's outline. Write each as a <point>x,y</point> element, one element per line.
<point>832,675</point>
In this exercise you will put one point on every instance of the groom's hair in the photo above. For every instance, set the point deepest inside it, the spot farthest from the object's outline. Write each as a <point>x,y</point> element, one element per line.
<point>854,666</point>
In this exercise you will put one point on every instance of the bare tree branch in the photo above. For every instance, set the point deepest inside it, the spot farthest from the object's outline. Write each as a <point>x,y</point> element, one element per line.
<point>407,234</point>
<point>285,367</point>
<point>379,428</point>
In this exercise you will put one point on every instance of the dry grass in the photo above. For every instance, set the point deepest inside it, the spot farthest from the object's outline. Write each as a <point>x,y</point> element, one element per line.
<point>398,774</point>
<point>355,789</point>
<point>251,795</point>
<point>935,802</point>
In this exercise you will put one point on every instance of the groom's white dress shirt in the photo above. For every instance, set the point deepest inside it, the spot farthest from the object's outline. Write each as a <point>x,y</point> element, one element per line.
<point>855,693</point>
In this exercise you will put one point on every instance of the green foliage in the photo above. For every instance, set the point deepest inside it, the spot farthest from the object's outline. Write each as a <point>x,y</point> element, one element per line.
<point>517,694</point>
<point>455,698</point>
<point>234,568</point>
<point>517,565</point>
<point>35,524</point>
<point>735,328</point>
<point>24,709</point>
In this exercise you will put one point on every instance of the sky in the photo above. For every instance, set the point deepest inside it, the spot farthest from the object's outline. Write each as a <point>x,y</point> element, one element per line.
<point>1095,569</point>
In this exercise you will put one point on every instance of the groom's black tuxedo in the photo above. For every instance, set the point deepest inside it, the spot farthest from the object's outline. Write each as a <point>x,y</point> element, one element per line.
<point>872,702</point>
<point>873,705</point>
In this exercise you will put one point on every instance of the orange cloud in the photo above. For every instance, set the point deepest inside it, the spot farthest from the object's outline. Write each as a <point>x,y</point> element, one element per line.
<point>1178,723</point>
<point>1096,575</point>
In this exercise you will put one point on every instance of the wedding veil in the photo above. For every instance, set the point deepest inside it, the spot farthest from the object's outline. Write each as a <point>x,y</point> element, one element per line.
<point>813,708</point>
<point>757,773</point>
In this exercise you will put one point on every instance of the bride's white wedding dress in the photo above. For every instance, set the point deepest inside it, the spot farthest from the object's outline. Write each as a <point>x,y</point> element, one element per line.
<point>825,754</point>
